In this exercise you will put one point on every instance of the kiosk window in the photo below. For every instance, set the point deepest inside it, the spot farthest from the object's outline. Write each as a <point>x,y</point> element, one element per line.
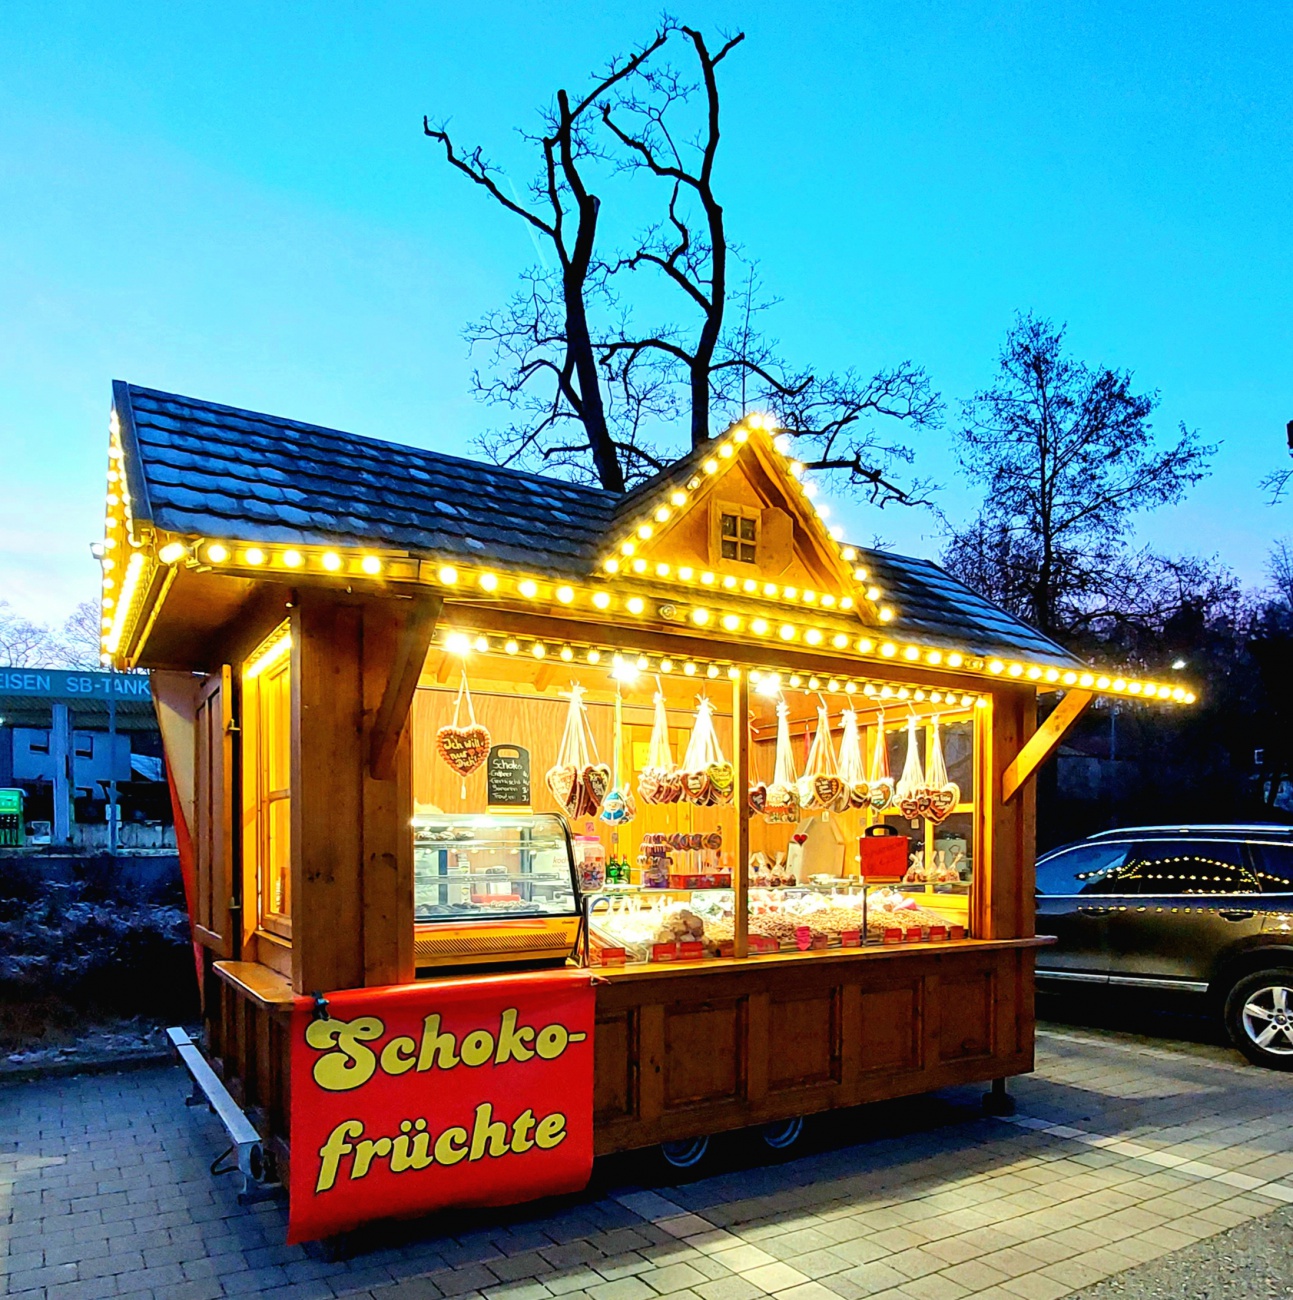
<point>267,695</point>
<point>738,537</point>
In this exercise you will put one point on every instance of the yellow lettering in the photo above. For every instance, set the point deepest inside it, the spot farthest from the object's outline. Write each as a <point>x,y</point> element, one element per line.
<point>437,1047</point>
<point>399,1055</point>
<point>551,1131</point>
<point>365,1151</point>
<point>352,1064</point>
<point>487,1131</point>
<point>409,1150</point>
<point>551,1042</point>
<point>521,1131</point>
<point>333,1149</point>
<point>445,1151</point>
<point>477,1047</point>
<point>513,1043</point>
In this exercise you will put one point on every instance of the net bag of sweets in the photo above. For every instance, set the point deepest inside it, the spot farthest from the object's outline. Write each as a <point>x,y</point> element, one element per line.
<point>660,782</point>
<point>577,780</point>
<point>619,806</point>
<point>880,787</point>
<point>709,780</point>
<point>781,803</point>
<point>821,786</point>
<point>909,794</point>
<point>857,792</point>
<point>941,795</point>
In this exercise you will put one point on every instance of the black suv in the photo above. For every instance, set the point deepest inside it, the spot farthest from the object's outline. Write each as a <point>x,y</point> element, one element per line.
<point>1196,909</point>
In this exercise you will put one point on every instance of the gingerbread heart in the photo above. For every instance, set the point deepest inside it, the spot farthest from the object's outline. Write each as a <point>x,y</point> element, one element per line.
<point>563,781</point>
<point>881,793</point>
<point>671,787</point>
<point>649,784</point>
<point>806,793</point>
<point>827,789</point>
<point>696,786</point>
<point>463,748</point>
<point>596,782</point>
<point>859,794</point>
<point>758,797</point>
<point>942,801</point>
<point>722,782</point>
<point>915,805</point>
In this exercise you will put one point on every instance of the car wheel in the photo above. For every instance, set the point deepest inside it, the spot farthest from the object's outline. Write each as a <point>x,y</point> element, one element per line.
<point>685,1154</point>
<point>1259,1018</point>
<point>783,1133</point>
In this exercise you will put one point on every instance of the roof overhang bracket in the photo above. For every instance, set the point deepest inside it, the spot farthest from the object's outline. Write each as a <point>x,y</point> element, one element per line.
<point>1043,742</point>
<point>397,699</point>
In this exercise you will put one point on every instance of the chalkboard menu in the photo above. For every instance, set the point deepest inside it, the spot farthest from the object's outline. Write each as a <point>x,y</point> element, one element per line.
<point>507,777</point>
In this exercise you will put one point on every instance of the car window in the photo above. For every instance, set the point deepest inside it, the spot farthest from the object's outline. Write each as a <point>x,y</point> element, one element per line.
<point>1083,869</point>
<point>1188,867</point>
<point>1274,866</point>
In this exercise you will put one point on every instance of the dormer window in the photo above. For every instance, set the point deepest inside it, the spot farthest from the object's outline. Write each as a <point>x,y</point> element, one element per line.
<point>738,535</point>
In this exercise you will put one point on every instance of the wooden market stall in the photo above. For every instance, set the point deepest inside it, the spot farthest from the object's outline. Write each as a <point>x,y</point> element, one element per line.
<point>328,618</point>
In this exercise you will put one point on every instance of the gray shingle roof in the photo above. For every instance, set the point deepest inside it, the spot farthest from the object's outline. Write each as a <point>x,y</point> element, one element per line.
<point>216,471</point>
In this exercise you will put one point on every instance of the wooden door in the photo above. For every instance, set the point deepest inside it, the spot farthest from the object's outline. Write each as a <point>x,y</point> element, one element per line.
<point>214,904</point>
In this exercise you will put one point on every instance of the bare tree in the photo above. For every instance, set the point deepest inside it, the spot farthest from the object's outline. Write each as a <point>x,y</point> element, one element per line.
<point>560,196</point>
<point>24,644</point>
<point>1067,457</point>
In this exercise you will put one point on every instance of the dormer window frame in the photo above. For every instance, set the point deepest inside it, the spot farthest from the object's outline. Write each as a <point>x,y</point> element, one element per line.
<point>744,542</point>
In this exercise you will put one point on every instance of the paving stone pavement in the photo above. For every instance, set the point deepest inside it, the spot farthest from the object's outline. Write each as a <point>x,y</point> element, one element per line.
<point>1121,1153</point>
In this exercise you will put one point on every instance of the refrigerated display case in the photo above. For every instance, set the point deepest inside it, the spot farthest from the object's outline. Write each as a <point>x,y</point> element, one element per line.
<point>497,888</point>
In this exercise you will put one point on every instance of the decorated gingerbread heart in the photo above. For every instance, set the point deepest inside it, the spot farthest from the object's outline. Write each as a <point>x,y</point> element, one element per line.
<point>758,797</point>
<point>942,801</point>
<point>859,794</point>
<point>696,786</point>
<point>722,781</point>
<point>881,793</point>
<point>463,748</point>
<point>827,789</point>
<point>649,784</point>
<point>596,782</point>
<point>562,781</point>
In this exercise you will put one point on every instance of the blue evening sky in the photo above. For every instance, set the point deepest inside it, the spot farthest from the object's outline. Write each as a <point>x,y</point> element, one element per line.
<point>235,201</point>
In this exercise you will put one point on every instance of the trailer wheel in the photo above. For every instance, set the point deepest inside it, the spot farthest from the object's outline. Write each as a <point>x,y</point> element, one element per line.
<point>784,1133</point>
<point>685,1154</point>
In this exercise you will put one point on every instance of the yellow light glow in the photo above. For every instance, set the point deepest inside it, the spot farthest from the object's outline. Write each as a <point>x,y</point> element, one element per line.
<point>873,593</point>
<point>850,687</point>
<point>1120,684</point>
<point>888,649</point>
<point>840,641</point>
<point>662,570</point>
<point>1086,680</point>
<point>808,597</point>
<point>371,565</point>
<point>482,644</point>
<point>254,556</point>
<point>700,617</point>
<point>645,531</point>
<point>666,665</point>
<point>488,582</point>
<point>594,656</point>
<point>796,469</point>
<point>269,656</point>
<point>865,645</point>
<point>602,600</point>
<point>848,555</point>
<point>529,588</point>
<point>109,583</point>
<point>538,650</point>
<point>794,680</point>
<point>686,573</point>
<point>934,657</point>
<point>742,435</point>
<point>627,548</point>
<point>813,636</point>
<point>662,515</point>
<point>639,565</point>
<point>731,623</point>
<point>677,499</point>
<point>457,643</point>
<point>1052,674</point>
<point>789,593</point>
<point>332,561</point>
<point>448,575</point>
<point>567,653</point>
<point>217,554</point>
<point>636,605</point>
<point>749,586</point>
<point>733,672</point>
<point>292,559</point>
<point>511,647</point>
<point>1016,670</point>
<point>1034,673</point>
<point>759,627</point>
<point>1134,688</point>
<point>643,663</point>
<point>727,451</point>
<point>169,554</point>
<point>710,466</point>
<point>911,654</point>
<point>707,578</point>
<point>729,582</point>
<point>1070,678</point>
<point>711,671</point>
<point>611,566</point>
<point>996,666</point>
<point>565,594</point>
<point>786,632</point>
<point>1102,683</point>
<point>828,600</point>
<point>886,614</point>
<point>689,668</point>
<point>955,659</point>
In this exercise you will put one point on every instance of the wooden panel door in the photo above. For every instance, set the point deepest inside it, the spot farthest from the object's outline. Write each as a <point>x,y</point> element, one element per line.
<point>213,834</point>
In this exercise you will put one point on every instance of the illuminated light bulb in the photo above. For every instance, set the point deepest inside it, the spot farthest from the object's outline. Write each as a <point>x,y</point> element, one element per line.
<point>254,556</point>
<point>594,656</point>
<point>859,575</point>
<point>448,575</point>
<point>865,645</point>
<point>814,683</point>
<point>889,650</point>
<point>731,623</point>
<point>108,602</point>
<point>868,689</point>
<point>1086,680</point>
<point>666,665</point>
<point>662,570</point>
<point>511,647</point>
<point>1070,678</point>
<point>109,543</point>
<point>808,597</point>
<point>873,593</point>
<point>759,627</point>
<point>828,600</point>
<point>113,499</point>
<point>602,600</point>
<point>749,586</point>
<point>796,469</point>
<point>996,666</point>
<point>848,555</point>
<point>488,582</point>
<point>742,435</point>
<point>611,566</point>
<point>1016,670</point>
<point>833,686</point>
<point>693,483</point>
<point>840,641</point>
<point>1119,683</point>
<point>567,653</point>
<point>733,672</point>
<point>1052,674</point>
<point>794,680</point>
<point>635,605</point>
<point>1102,683</point>
<point>169,553</point>
<point>980,703</point>
<point>482,644</point>
<point>108,584</point>
<point>936,697</point>
<point>904,693</point>
<point>332,562</point>
<point>770,684</point>
<point>662,515</point>
<point>911,654</point>
<point>934,657</point>
<point>1164,692</point>
<point>1189,697</point>
<point>710,466</point>
<point>918,694</point>
<point>837,533</point>
<point>639,565</point>
<point>565,594</point>
<point>955,659</point>
<point>886,614</point>
<point>686,573</point>
<point>707,578</point>
<point>645,531</point>
<point>789,593</point>
<point>292,559</point>
<point>643,663</point>
<point>457,643</point>
<point>729,582</point>
<point>678,499</point>
<point>770,588</point>
<point>711,671</point>
<point>886,692</point>
<point>786,632</point>
<point>810,490</point>
<point>846,602</point>
<point>689,668</point>
<point>627,548</point>
<point>823,510</point>
<point>727,451</point>
<point>1133,688</point>
<point>850,688</point>
<point>217,554</point>
<point>529,588</point>
<point>700,617</point>
<point>1178,694</point>
<point>1034,673</point>
<point>538,650</point>
<point>813,636</point>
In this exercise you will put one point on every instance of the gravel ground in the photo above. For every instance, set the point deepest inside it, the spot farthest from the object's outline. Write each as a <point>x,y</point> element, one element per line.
<point>1253,1261</point>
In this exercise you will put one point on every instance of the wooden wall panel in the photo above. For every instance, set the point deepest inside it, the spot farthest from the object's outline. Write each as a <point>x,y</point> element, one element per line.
<point>892,1027</point>
<point>966,1015</point>
<point>704,1050</point>
<point>804,1043</point>
<point>615,1070</point>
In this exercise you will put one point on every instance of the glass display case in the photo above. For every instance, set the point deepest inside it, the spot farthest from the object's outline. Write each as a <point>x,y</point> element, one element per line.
<point>493,888</point>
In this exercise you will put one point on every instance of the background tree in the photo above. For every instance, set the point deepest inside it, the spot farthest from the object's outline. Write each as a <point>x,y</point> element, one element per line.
<point>25,644</point>
<point>1067,458</point>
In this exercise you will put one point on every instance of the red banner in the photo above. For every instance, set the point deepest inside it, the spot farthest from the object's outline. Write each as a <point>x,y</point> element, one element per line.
<point>415,1097</point>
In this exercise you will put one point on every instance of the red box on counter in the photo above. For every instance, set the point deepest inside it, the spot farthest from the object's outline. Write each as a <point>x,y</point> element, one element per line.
<point>850,938</point>
<point>956,932</point>
<point>691,950</point>
<point>664,952</point>
<point>612,956</point>
<point>883,854</point>
<point>702,880</point>
<point>938,932</point>
<point>893,935</point>
<point>763,943</point>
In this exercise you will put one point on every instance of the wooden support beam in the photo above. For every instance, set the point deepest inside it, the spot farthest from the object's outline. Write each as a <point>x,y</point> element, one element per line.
<point>410,654</point>
<point>741,867</point>
<point>1042,742</point>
